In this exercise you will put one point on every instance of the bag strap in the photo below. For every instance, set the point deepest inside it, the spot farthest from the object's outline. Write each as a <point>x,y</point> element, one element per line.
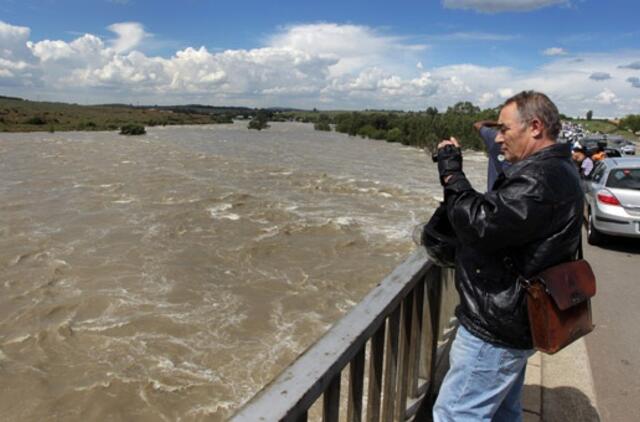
<point>580,256</point>
<point>526,283</point>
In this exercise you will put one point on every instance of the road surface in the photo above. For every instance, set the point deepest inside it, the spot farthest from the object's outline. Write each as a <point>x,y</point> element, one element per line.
<point>614,346</point>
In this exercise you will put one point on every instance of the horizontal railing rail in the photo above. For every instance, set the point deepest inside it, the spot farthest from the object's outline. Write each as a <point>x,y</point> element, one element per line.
<point>406,322</point>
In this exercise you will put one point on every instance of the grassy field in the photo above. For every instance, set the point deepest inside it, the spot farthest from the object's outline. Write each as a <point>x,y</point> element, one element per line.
<point>18,115</point>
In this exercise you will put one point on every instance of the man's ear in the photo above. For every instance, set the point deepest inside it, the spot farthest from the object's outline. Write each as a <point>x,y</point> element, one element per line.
<point>537,128</point>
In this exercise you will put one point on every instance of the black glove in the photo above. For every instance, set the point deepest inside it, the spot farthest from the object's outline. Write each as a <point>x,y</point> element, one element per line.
<point>449,162</point>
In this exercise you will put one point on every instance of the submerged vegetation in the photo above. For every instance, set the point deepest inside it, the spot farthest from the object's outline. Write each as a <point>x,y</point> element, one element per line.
<point>426,128</point>
<point>132,129</point>
<point>259,122</point>
<point>422,129</point>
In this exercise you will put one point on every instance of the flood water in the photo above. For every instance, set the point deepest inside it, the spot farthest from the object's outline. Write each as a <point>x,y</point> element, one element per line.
<point>170,276</point>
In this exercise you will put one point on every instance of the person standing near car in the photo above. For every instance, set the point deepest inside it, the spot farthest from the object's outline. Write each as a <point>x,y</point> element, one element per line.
<point>584,163</point>
<point>531,220</point>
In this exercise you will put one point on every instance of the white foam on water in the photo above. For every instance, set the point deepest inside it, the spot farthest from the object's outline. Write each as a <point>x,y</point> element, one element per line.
<point>281,173</point>
<point>187,369</point>
<point>344,221</point>
<point>101,327</point>
<point>267,233</point>
<point>19,339</point>
<point>219,212</point>
<point>230,216</point>
<point>99,384</point>
<point>212,409</point>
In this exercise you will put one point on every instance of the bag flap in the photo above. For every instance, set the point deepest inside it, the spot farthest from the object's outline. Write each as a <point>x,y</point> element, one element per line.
<point>569,283</point>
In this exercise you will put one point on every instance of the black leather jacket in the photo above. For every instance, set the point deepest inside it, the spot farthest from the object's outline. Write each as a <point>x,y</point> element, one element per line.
<point>532,219</point>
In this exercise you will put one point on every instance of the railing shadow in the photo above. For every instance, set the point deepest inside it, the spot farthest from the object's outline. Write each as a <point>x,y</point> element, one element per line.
<point>561,404</point>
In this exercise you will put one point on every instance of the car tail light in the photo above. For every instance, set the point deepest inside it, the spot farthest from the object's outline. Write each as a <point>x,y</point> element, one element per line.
<point>606,197</point>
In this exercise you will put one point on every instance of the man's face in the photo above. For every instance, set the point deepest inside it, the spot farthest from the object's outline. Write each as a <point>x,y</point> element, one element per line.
<point>513,136</point>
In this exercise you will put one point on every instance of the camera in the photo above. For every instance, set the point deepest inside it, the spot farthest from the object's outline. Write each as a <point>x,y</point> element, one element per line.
<point>448,149</point>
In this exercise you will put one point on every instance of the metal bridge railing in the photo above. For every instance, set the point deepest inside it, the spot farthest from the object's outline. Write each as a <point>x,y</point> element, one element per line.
<point>395,340</point>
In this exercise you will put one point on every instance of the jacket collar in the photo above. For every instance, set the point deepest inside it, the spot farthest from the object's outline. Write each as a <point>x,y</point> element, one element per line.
<point>556,150</point>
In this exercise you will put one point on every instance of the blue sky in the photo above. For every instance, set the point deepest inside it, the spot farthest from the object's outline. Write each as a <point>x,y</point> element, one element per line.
<point>332,54</point>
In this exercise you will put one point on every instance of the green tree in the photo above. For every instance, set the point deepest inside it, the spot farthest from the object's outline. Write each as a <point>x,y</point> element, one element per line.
<point>589,115</point>
<point>432,111</point>
<point>323,126</point>
<point>260,120</point>
<point>394,135</point>
<point>631,122</point>
<point>464,107</point>
<point>132,129</point>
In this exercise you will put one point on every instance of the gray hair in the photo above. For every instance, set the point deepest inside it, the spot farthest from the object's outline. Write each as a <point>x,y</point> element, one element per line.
<point>532,105</point>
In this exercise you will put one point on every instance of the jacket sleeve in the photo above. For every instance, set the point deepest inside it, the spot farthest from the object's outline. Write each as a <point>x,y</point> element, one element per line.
<point>509,216</point>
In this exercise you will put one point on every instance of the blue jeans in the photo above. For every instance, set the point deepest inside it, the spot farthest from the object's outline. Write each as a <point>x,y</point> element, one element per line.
<point>484,382</point>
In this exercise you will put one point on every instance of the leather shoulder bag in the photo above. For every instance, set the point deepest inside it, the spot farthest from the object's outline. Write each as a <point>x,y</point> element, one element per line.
<point>559,304</point>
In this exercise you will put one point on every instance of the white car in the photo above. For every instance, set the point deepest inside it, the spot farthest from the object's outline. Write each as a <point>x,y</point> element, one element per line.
<point>612,199</point>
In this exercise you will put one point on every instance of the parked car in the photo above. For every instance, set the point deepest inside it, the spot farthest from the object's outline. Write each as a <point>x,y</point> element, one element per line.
<point>625,146</point>
<point>593,145</point>
<point>612,199</point>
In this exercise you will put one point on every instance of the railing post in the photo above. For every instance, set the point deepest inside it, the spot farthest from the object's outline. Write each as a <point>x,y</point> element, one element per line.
<point>416,333</point>
<point>391,367</point>
<point>434,297</point>
<point>405,348</point>
<point>331,401</point>
<point>376,359</point>
<point>356,381</point>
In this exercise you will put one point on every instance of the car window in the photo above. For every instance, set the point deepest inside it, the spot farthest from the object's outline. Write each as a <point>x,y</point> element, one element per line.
<point>624,179</point>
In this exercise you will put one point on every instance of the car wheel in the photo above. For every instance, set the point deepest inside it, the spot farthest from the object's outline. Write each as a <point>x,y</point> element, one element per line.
<point>594,237</point>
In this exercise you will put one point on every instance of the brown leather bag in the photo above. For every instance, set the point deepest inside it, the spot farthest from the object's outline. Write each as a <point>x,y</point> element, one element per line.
<point>559,305</point>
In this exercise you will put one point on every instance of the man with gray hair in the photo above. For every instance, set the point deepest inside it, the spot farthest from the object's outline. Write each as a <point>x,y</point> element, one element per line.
<point>531,220</point>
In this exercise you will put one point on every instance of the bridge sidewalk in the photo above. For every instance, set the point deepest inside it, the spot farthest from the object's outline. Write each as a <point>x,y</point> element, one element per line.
<point>560,387</point>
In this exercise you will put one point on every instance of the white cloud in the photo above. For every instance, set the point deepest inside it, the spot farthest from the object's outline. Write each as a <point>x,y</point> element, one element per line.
<point>15,58</point>
<point>337,66</point>
<point>555,51</point>
<point>51,50</point>
<point>13,41</point>
<point>352,47</point>
<point>129,35</point>
<point>496,6</point>
<point>606,97</point>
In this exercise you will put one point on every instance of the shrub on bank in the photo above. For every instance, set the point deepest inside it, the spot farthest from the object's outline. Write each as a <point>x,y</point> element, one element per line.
<point>132,129</point>
<point>324,126</point>
<point>36,120</point>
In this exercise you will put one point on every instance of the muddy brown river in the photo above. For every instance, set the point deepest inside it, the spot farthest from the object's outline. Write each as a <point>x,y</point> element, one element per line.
<point>170,276</point>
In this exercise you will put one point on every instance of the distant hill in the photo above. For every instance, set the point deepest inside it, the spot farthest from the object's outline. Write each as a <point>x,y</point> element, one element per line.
<point>21,115</point>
